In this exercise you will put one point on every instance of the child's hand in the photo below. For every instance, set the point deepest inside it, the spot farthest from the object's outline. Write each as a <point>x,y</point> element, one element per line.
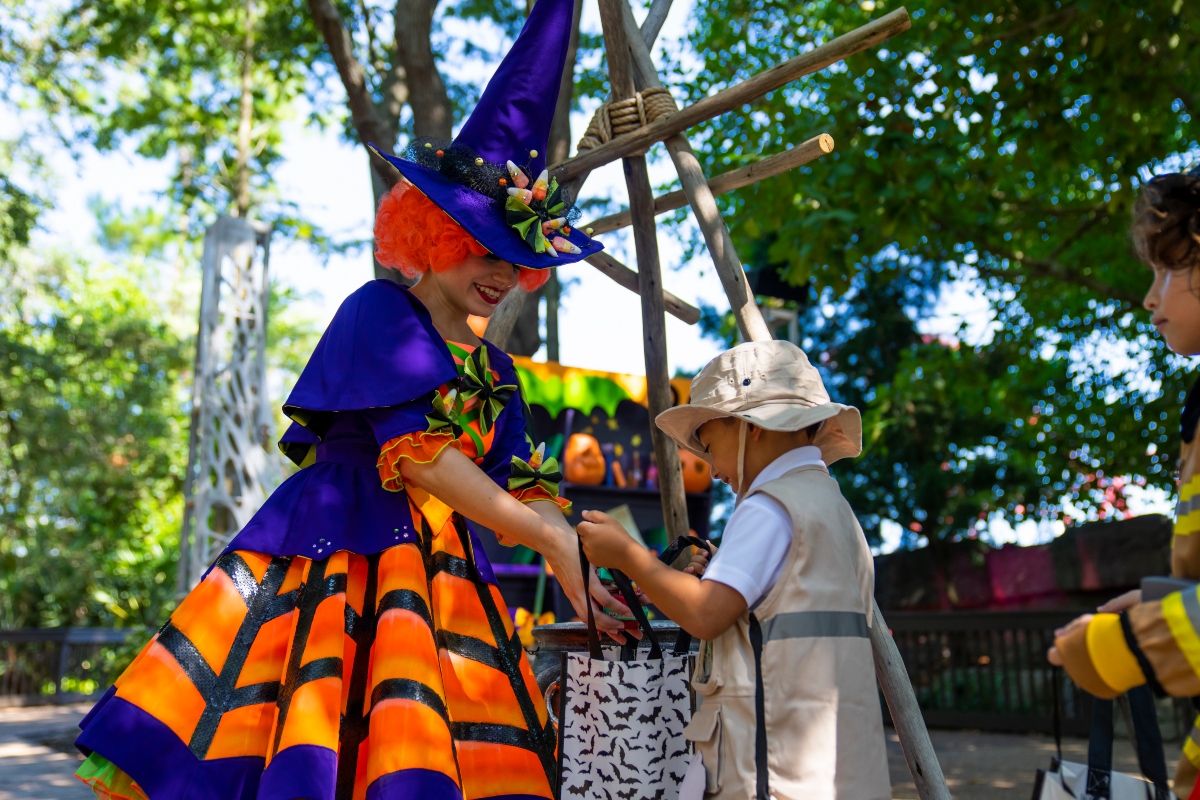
<point>700,560</point>
<point>606,541</point>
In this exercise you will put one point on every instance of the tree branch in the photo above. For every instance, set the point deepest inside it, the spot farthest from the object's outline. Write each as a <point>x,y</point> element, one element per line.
<point>433,115</point>
<point>1055,270</point>
<point>367,124</point>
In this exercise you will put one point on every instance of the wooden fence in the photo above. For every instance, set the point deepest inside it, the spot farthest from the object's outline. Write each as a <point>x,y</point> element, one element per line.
<point>60,665</point>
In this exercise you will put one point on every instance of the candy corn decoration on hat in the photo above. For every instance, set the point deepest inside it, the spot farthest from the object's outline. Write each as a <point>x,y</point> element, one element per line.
<point>492,177</point>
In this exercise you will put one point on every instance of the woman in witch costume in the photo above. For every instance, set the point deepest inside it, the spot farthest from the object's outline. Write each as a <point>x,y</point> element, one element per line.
<point>351,641</point>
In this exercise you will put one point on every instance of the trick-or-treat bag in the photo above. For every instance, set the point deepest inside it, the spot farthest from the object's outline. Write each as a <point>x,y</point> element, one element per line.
<point>621,727</point>
<point>1095,780</point>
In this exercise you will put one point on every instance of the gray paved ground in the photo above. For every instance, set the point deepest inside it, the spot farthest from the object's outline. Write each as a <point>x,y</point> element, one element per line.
<point>34,764</point>
<point>36,761</point>
<point>1000,766</point>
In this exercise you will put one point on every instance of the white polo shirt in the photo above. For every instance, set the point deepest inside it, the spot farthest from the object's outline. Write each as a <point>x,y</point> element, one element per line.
<point>758,534</point>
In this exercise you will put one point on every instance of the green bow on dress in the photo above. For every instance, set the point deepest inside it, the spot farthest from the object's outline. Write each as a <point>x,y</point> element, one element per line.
<point>523,474</point>
<point>476,382</point>
<point>445,417</point>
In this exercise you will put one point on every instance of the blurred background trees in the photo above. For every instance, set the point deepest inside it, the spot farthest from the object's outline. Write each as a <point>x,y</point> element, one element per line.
<point>984,167</point>
<point>990,160</point>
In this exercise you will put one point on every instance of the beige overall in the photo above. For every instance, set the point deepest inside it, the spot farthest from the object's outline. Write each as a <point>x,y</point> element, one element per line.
<point>823,720</point>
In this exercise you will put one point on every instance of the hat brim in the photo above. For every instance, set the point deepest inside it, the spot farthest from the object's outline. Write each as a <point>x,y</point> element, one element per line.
<point>840,437</point>
<point>480,217</point>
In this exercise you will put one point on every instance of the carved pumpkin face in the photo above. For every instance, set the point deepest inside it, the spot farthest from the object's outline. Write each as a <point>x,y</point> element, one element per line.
<point>583,461</point>
<point>697,476</point>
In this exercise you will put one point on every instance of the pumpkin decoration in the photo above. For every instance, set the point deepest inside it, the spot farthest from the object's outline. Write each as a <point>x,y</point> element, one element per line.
<point>583,460</point>
<point>697,476</point>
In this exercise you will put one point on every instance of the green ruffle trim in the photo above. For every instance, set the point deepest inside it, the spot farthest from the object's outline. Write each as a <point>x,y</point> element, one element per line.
<point>107,780</point>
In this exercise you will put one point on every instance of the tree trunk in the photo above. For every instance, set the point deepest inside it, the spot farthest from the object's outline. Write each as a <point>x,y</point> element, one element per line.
<point>433,114</point>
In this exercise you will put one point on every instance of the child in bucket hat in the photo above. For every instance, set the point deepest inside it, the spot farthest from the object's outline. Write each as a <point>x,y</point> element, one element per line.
<point>785,676</point>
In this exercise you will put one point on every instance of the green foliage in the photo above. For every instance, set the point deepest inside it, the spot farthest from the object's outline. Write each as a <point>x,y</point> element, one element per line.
<point>92,447</point>
<point>1001,143</point>
<point>20,206</point>
<point>167,78</point>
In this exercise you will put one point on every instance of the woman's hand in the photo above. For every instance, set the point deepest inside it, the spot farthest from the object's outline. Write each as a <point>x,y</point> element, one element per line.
<point>1072,627</point>
<point>700,560</point>
<point>1122,602</point>
<point>563,559</point>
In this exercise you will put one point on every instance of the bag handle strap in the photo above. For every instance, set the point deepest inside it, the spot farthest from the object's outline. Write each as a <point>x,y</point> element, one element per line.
<point>593,635</point>
<point>1147,742</point>
<point>683,643</point>
<point>1148,739</point>
<point>626,587</point>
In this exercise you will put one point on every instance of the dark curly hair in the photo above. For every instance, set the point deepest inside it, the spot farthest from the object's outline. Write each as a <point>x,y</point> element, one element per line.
<point>1166,221</point>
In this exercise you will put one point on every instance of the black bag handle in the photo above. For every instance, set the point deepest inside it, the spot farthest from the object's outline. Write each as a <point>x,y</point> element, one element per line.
<point>683,643</point>
<point>626,589</point>
<point>593,634</point>
<point>1147,742</point>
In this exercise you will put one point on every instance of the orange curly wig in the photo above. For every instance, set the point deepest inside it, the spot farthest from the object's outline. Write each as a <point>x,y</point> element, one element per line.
<point>412,235</point>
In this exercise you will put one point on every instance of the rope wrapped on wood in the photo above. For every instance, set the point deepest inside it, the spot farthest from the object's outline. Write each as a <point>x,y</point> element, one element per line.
<point>625,116</point>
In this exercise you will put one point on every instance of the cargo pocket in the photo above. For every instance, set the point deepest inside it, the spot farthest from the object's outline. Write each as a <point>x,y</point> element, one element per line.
<point>704,682</point>
<point>705,731</point>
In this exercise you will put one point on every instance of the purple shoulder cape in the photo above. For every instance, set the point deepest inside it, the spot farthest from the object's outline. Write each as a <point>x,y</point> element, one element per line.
<point>380,350</point>
<point>379,359</point>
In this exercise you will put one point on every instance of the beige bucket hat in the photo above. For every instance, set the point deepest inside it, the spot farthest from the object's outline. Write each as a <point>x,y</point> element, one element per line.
<point>769,384</point>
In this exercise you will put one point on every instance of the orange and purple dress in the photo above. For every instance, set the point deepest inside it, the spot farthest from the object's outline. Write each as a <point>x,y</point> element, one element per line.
<point>351,642</point>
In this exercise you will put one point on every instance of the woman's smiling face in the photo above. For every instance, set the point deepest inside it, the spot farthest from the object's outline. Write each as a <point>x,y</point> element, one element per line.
<point>476,286</point>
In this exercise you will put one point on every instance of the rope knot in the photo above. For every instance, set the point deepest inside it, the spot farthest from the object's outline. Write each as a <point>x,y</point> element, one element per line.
<point>620,117</point>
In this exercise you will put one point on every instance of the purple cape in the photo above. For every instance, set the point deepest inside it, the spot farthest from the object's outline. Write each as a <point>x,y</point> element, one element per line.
<point>369,380</point>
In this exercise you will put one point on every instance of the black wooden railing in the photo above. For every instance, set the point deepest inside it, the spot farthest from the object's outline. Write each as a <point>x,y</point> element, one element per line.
<point>988,670</point>
<point>60,665</point>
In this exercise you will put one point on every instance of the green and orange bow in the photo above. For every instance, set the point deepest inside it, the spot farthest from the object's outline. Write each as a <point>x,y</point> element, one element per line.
<point>538,470</point>
<point>477,382</point>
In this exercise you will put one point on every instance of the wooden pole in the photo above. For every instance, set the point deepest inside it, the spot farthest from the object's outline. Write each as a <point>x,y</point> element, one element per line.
<point>737,95</point>
<point>768,167</point>
<point>649,31</point>
<point>623,275</point>
<point>906,714</point>
<point>699,195</point>
<point>641,205</point>
<point>889,667</point>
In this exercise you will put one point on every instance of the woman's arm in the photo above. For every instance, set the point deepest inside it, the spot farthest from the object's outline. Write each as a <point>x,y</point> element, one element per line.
<point>705,609</point>
<point>456,481</point>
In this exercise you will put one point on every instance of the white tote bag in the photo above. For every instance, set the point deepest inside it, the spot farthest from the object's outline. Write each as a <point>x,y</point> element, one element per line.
<point>621,727</point>
<point>1067,780</point>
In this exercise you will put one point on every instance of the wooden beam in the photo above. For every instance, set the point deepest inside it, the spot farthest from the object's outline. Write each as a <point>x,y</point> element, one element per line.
<point>654,20</point>
<point>680,309</point>
<point>737,95</point>
<point>645,241</point>
<point>768,167</point>
<point>700,198</point>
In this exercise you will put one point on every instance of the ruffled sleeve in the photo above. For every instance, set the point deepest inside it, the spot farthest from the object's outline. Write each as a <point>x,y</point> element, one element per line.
<point>421,447</point>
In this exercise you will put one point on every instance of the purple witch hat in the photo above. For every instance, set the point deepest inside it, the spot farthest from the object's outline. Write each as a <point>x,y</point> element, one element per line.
<point>492,178</point>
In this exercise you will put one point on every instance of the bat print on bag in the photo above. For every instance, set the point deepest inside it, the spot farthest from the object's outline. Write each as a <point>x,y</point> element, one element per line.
<point>634,713</point>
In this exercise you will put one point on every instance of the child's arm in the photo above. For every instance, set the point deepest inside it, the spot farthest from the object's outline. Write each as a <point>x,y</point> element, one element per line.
<point>705,609</point>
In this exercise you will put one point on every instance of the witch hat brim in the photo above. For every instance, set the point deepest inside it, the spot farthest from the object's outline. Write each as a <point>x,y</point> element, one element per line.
<point>479,216</point>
